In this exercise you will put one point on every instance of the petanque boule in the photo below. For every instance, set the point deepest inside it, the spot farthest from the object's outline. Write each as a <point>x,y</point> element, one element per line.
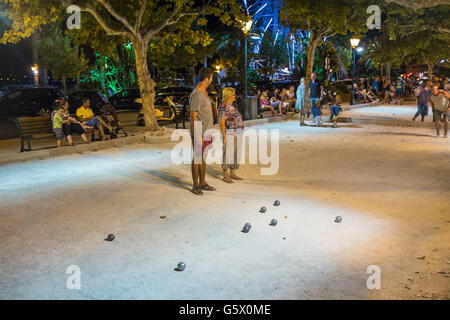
<point>273,222</point>
<point>338,219</point>
<point>110,237</point>
<point>246,228</point>
<point>263,210</point>
<point>181,266</point>
<point>276,203</point>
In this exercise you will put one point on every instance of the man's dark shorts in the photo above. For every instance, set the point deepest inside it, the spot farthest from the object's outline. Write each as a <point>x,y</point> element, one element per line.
<point>441,115</point>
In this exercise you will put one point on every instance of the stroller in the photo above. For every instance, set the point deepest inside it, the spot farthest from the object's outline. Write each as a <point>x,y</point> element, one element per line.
<point>109,115</point>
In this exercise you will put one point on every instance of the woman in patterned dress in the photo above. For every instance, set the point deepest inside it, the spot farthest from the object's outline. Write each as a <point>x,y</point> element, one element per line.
<point>232,126</point>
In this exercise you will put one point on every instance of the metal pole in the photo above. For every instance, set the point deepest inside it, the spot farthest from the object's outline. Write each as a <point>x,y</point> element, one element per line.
<point>36,78</point>
<point>353,79</point>
<point>245,97</point>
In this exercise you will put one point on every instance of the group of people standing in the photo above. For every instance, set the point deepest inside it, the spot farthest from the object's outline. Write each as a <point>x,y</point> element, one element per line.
<point>439,99</point>
<point>318,97</point>
<point>231,124</point>
<point>387,89</point>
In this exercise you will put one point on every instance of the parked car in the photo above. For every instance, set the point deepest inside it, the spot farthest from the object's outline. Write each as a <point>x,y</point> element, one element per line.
<point>126,99</point>
<point>27,102</point>
<point>76,100</point>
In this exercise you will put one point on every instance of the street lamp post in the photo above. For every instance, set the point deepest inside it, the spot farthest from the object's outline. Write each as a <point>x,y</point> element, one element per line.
<point>247,26</point>
<point>354,43</point>
<point>35,70</point>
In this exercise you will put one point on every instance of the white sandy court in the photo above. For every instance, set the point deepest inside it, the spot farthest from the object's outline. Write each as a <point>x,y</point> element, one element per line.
<point>390,185</point>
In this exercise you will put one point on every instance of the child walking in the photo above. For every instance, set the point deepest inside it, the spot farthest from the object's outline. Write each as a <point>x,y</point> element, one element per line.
<point>317,112</point>
<point>58,125</point>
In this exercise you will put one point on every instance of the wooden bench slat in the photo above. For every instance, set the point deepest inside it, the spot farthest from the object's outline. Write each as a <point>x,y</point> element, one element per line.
<point>34,128</point>
<point>25,121</point>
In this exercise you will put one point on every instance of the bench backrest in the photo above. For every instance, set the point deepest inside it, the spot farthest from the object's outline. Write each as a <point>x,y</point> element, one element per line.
<point>29,126</point>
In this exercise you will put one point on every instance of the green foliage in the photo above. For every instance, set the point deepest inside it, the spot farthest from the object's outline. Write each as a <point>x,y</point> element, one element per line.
<point>57,52</point>
<point>325,17</point>
<point>111,74</point>
<point>409,35</point>
<point>273,56</point>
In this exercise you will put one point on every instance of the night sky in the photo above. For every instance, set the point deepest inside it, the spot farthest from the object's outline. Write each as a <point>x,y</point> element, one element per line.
<point>15,60</point>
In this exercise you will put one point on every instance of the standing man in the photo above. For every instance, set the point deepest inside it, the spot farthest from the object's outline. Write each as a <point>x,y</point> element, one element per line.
<point>440,103</point>
<point>201,120</point>
<point>314,90</point>
<point>422,95</point>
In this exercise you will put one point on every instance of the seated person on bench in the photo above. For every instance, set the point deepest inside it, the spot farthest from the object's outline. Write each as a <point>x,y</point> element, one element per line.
<point>265,104</point>
<point>87,118</point>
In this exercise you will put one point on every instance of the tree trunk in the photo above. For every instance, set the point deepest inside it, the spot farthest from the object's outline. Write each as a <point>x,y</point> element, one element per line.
<point>63,80</point>
<point>388,70</point>
<point>341,65</point>
<point>313,40</point>
<point>382,70</point>
<point>146,85</point>
<point>43,75</point>
<point>194,76</point>
<point>430,71</point>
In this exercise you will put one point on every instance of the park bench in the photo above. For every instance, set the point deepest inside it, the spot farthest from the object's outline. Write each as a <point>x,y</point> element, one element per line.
<point>36,128</point>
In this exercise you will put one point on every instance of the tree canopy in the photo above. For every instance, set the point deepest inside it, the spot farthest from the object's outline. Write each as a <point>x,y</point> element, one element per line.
<point>139,21</point>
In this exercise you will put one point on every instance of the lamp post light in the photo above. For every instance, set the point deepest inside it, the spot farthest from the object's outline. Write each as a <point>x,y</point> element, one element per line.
<point>247,26</point>
<point>354,43</point>
<point>218,68</point>
<point>35,70</point>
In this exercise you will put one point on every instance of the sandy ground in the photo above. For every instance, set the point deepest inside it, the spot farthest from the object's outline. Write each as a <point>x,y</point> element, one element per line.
<point>390,185</point>
<point>389,112</point>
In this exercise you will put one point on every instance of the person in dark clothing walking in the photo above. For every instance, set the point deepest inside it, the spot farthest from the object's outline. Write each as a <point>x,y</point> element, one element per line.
<point>422,95</point>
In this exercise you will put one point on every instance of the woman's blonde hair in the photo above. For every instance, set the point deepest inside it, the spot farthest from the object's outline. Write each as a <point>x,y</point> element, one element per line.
<point>227,93</point>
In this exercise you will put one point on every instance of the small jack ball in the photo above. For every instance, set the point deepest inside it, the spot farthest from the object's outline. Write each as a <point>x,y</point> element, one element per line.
<point>181,266</point>
<point>110,237</point>
<point>338,219</point>
<point>263,210</point>
<point>273,222</point>
<point>276,203</point>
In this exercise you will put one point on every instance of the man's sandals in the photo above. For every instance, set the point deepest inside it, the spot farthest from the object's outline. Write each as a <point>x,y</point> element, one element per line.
<point>207,187</point>
<point>197,190</point>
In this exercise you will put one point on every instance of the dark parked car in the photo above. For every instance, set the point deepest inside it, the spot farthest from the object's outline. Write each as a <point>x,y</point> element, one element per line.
<point>126,99</point>
<point>76,100</point>
<point>27,102</point>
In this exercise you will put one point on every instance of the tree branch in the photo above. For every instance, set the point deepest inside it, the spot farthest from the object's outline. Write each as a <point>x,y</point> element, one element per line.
<point>171,19</point>
<point>116,15</point>
<point>109,30</point>
<point>140,15</point>
<point>419,4</point>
